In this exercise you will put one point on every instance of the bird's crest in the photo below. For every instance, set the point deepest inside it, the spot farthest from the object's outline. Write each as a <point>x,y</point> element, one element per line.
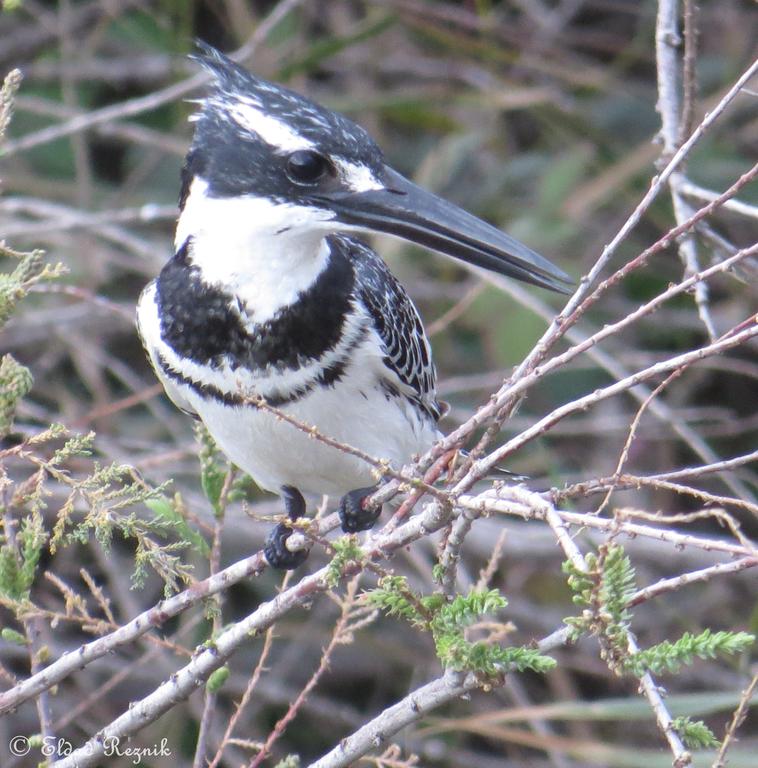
<point>282,118</point>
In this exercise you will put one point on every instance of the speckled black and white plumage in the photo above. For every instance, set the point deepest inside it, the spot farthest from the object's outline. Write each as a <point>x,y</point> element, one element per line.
<point>397,323</point>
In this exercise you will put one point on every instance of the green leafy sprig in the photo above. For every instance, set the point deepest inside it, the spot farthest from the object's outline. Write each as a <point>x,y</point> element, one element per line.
<point>347,550</point>
<point>669,657</point>
<point>447,621</point>
<point>603,592</point>
<point>214,469</point>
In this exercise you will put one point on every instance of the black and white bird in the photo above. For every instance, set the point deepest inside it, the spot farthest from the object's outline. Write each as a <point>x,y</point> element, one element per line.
<point>269,294</point>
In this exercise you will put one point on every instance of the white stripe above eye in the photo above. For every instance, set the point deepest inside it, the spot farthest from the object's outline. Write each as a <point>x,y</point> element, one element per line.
<point>249,116</point>
<point>359,178</point>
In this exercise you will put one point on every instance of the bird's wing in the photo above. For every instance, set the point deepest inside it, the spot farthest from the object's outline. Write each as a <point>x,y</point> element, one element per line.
<point>407,355</point>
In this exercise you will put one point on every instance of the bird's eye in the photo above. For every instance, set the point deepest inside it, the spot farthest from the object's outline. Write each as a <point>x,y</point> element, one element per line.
<point>306,166</point>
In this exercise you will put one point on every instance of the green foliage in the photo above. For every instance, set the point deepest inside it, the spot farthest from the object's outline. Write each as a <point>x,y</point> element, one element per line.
<point>11,585</point>
<point>464,611</point>
<point>217,679</point>
<point>94,504</point>
<point>8,92</point>
<point>108,491</point>
<point>78,445</point>
<point>456,652</point>
<point>394,597</point>
<point>15,383</point>
<point>214,469</point>
<point>19,559</point>
<point>448,621</point>
<point>672,656</point>
<point>16,379</point>
<point>346,550</point>
<point>291,761</point>
<point>11,636</point>
<point>608,583</point>
<point>694,733</point>
<point>173,512</point>
<point>243,488</point>
<point>30,270</point>
<point>603,592</point>
<point>31,539</point>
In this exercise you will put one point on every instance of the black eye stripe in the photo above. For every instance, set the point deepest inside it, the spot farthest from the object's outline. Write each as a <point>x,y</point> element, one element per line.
<point>306,166</point>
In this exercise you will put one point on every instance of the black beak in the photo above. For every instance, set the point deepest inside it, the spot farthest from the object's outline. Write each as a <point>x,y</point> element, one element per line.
<point>403,209</point>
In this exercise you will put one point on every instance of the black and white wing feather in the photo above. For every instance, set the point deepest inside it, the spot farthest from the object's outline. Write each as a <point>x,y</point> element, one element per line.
<point>407,354</point>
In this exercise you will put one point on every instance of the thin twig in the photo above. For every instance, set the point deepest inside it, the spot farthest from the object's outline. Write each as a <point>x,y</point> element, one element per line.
<point>485,465</point>
<point>251,685</point>
<point>737,719</point>
<point>210,658</point>
<point>701,193</point>
<point>693,577</point>
<point>415,706</point>
<point>718,466</point>
<point>451,552</point>
<point>667,43</point>
<point>689,73</point>
<point>338,636</point>
<point>210,698</point>
<point>530,506</point>
<point>639,481</point>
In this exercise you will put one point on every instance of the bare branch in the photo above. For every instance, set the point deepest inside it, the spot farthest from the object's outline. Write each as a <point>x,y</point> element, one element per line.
<point>480,468</point>
<point>424,700</point>
<point>528,505</point>
<point>187,679</point>
<point>693,577</point>
<point>153,100</point>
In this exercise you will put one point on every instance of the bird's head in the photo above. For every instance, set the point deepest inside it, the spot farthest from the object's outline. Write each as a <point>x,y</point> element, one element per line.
<point>266,157</point>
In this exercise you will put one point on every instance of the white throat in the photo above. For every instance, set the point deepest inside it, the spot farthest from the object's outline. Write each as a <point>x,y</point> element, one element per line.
<point>265,253</point>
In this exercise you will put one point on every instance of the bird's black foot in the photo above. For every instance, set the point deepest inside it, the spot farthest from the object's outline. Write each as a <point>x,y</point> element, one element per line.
<point>275,548</point>
<point>276,551</point>
<point>353,515</point>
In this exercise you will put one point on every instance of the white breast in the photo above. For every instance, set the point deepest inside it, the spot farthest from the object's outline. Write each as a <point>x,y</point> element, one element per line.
<point>262,251</point>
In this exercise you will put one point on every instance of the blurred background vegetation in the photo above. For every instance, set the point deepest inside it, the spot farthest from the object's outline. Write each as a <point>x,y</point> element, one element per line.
<point>538,116</point>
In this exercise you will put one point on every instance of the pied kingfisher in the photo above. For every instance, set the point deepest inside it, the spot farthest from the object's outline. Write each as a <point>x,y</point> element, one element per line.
<point>270,295</point>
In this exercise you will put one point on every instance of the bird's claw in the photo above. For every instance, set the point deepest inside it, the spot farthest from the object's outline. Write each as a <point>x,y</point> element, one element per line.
<point>353,515</point>
<point>276,552</point>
